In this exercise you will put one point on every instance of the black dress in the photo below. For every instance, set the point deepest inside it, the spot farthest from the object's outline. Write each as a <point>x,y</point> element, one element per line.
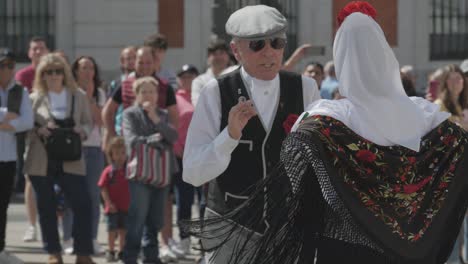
<point>336,197</point>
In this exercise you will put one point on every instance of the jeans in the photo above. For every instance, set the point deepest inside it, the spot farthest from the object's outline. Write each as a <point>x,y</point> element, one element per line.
<point>94,159</point>
<point>184,193</point>
<point>201,192</point>
<point>145,219</point>
<point>76,193</point>
<point>7,176</point>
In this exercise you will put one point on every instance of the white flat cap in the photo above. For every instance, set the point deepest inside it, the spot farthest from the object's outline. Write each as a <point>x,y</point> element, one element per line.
<point>256,22</point>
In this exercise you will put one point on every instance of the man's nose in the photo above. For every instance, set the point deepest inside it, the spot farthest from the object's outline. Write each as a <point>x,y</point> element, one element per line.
<point>267,50</point>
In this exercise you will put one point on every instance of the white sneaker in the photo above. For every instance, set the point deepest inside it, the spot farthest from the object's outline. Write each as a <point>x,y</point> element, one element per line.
<point>182,248</point>
<point>68,246</point>
<point>8,258</point>
<point>166,255</point>
<point>185,245</point>
<point>97,248</point>
<point>30,234</point>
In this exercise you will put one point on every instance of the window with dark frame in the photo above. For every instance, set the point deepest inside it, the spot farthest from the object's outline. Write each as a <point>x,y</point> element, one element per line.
<point>224,8</point>
<point>20,20</point>
<point>449,34</point>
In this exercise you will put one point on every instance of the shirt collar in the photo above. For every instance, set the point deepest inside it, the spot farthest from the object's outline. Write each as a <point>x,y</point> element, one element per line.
<point>249,80</point>
<point>209,72</point>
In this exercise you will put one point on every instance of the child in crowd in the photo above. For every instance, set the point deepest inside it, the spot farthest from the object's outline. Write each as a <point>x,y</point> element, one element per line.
<point>116,196</point>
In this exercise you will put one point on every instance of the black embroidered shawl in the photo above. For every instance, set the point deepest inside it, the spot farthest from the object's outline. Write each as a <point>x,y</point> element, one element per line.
<point>410,204</point>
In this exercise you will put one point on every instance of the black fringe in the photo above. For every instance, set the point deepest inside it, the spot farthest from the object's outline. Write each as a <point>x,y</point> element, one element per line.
<point>292,232</point>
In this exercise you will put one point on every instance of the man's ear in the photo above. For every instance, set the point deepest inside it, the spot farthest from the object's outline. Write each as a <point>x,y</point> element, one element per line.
<point>235,50</point>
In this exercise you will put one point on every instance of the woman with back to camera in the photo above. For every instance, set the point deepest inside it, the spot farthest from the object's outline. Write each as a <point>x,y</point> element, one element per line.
<point>376,177</point>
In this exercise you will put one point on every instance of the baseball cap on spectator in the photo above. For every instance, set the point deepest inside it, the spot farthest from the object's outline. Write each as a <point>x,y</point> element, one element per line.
<point>187,68</point>
<point>6,54</point>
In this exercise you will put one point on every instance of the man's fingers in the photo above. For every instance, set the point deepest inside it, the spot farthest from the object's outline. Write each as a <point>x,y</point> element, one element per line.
<point>246,107</point>
<point>241,105</point>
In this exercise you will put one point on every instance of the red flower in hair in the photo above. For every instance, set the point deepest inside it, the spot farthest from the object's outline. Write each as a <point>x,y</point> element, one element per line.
<point>356,6</point>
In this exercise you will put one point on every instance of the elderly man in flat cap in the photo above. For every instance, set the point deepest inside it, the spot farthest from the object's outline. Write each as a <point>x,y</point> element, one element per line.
<point>241,118</point>
<point>16,115</point>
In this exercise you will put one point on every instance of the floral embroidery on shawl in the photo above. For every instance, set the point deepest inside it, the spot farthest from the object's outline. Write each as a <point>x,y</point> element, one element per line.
<point>403,188</point>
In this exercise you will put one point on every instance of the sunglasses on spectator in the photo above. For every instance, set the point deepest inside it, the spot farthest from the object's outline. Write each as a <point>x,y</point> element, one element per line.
<point>275,43</point>
<point>54,71</point>
<point>10,66</point>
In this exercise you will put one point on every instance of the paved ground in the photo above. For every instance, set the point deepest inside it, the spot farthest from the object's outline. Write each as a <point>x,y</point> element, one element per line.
<point>32,252</point>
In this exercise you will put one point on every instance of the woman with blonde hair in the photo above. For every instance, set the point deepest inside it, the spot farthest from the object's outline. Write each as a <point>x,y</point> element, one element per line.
<point>149,140</point>
<point>61,115</point>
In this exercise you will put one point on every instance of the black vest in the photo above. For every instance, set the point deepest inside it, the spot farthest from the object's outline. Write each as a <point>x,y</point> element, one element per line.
<point>258,151</point>
<point>15,95</point>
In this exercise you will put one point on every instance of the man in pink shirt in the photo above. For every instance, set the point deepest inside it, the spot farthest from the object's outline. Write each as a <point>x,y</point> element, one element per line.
<point>184,191</point>
<point>185,76</point>
<point>37,48</point>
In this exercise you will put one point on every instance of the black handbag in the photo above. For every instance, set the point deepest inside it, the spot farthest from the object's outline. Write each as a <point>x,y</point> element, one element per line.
<point>64,144</point>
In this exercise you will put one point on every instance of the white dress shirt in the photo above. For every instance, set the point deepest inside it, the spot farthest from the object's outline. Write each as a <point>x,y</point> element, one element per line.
<point>208,150</point>
<point>95,138</point>
<point>23,122</point>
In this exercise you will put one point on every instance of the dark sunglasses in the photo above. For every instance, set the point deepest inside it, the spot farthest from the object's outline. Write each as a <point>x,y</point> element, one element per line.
<point>276,43</point>
<point>10,66</point>
<point>52,71</point>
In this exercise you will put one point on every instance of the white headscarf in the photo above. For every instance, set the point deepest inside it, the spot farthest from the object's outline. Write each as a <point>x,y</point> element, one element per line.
<point>376,106</point>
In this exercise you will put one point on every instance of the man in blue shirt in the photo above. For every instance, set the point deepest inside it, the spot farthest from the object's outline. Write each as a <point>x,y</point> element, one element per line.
<point>330,84</point>
<point>15,116</point>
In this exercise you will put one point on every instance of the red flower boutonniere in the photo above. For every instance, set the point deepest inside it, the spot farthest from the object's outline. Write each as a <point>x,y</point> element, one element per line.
<point>289,122</point>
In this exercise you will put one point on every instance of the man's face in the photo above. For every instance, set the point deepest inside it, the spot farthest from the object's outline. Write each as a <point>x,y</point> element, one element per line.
<point>144,64</point>
<point>263,64</point>
<point>36,50</point>
<point>218,59</point>
<point>7,70</point>
<point>127,60</point>
<point>314,72</point>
